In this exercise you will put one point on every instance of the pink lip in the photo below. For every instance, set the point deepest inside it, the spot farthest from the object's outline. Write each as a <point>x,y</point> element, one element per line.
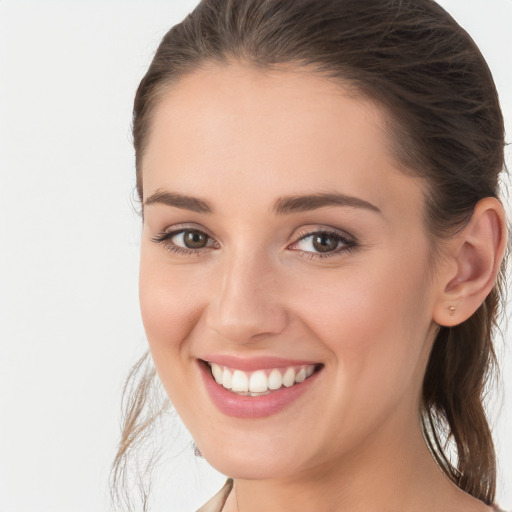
<point>254,363</point>
<point>240,406</point>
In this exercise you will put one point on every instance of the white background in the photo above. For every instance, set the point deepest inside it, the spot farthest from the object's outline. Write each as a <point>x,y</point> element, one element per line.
<point>69,318</point>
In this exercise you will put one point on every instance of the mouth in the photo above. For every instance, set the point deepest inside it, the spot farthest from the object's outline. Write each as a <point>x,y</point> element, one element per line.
<point>260,382</point>
<point>258,390</point>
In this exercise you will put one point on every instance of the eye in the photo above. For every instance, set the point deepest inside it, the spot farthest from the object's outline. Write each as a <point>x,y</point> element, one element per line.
<point>190,239</point>
<point>323,243</point>
<point>185,241</point>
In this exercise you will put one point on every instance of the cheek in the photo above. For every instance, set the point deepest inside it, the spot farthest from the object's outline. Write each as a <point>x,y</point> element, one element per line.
<point>358,303</point>
<point>171,303</point>
<point>374,320</point>
<point>374,325</point>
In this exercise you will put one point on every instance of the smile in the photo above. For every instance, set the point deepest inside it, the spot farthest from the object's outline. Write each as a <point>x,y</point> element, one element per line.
<point>258,390</point>
<point>260,382</point>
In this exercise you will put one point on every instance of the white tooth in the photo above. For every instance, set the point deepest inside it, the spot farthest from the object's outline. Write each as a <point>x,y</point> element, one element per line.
<point>258,382</point>
<point>217,373</point>
<point>309,371</point>
<point>275,379</point>
<point>240,382</point>
<point>301,375</point>
<point>227,377</point>
<point>289,377</point>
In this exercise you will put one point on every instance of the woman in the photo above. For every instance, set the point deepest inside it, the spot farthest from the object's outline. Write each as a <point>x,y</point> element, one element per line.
<point>322,251</point>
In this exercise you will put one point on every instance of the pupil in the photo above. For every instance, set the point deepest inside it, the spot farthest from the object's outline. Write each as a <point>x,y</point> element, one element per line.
<point>325,243</point>
<point>195,240</point>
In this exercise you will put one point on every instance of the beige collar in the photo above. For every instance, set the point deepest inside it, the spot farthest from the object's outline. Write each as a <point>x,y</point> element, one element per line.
<point>216,503</point>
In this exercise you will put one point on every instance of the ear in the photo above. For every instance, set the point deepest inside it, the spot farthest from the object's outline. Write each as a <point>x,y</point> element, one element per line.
<point>474,258</point>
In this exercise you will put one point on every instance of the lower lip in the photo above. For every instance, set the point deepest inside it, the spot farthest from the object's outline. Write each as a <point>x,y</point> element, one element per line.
<point>240,406</point>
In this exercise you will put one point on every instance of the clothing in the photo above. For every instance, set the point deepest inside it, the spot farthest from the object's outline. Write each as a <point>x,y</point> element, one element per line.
<point>217,502</point>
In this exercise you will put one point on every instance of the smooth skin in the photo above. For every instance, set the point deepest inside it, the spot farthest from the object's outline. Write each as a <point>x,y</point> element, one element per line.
<point>255,284</point>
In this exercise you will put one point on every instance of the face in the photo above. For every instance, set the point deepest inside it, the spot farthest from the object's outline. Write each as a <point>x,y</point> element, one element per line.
<point>283,252</point>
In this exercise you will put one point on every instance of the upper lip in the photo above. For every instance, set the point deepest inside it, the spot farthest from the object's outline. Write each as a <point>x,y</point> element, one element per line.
<point>255,363</point>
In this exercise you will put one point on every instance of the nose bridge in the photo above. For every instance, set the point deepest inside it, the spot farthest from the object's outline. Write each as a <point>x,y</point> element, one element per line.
<point>248,302</point>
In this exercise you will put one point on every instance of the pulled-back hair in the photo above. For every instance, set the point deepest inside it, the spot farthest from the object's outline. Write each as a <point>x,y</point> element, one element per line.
<point>445,125</point>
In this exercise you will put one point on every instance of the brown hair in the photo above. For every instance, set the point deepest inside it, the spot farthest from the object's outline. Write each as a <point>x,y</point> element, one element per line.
<point>445,125</point>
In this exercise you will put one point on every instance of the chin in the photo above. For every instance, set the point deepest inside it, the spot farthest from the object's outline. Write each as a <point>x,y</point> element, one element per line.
<point>250,463</point>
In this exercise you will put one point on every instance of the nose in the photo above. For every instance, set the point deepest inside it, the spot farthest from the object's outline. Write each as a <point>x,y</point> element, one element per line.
<point>247,305</point>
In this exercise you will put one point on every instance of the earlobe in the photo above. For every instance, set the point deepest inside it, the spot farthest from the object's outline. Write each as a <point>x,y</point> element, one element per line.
<point>477,252</point>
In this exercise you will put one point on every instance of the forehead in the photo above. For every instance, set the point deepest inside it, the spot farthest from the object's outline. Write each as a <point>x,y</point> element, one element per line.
<point>234,128</point>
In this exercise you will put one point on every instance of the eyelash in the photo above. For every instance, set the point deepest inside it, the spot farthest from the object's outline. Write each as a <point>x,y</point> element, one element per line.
<point>349,244</point>
<point>164,238</point>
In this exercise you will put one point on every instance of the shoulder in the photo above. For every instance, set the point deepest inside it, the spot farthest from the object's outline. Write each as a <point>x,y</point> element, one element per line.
<point>216,503</point>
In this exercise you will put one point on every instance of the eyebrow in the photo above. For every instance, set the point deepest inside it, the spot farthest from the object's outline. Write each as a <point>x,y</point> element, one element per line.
<point>283,205</point>
<point>292,204</point>
<point>180,201</point>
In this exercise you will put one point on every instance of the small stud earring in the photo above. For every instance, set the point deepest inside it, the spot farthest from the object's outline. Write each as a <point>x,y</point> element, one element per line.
<point>451,309</point>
